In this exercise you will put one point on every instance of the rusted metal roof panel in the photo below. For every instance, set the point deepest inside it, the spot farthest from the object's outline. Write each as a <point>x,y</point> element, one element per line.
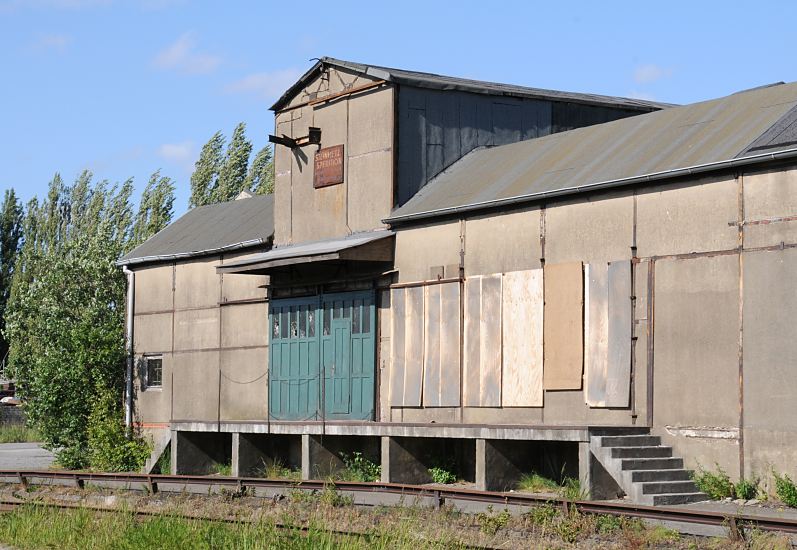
<point>210,229</point>
<point>441,82</point>
<point>569,162</point>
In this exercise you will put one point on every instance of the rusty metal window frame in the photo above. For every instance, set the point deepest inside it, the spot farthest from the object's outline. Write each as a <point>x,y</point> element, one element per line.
<point>151,382</point>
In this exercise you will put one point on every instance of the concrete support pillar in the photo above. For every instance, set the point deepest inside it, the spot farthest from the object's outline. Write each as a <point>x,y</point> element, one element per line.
<point>401,462</point>
<point>318,461</point>
<point>198,453</point>
<point>585,460</point>
<point>497,465</point>
<point>248,457</point>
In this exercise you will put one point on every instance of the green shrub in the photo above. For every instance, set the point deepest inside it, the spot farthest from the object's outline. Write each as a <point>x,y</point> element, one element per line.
<point>164,464</point>
<point>571,489</point>
<point>442,475</point>
<point>717,485</point>
<point>223,469</point>
<point>786,490</point>
<point>746,489</point>
<point>359,468</point>
<point>110,449</point>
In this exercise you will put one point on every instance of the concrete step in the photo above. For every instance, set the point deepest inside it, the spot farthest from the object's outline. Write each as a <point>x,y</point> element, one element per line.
<point>641,452</point>
<point>640,476</point>
<point>630,440</point>
<point>652,463</point>
<point>663,487</point>
<point>678,498</point>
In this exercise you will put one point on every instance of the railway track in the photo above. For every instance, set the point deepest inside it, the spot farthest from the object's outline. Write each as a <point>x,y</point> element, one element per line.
<point>735,523</point>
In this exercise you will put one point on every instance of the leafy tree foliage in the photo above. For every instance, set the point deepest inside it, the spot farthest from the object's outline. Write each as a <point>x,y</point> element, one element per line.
<point>220,175</point>
<point>261,174</point>
<point>10,239</point>
<point>65,317</point>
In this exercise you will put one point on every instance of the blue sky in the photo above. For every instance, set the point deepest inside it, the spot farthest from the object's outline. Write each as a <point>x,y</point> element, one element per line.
<point>126,87</point>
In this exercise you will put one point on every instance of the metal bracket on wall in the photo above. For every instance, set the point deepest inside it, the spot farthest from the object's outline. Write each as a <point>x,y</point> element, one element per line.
<point>313,137</point>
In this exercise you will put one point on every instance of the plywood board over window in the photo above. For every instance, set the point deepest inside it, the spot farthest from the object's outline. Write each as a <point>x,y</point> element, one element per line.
<point>522,322</point>
<point>441,346</point>
<point>407,347</point>
<point>563,332</point>
<point>482,365</point>
<point>607,334</point>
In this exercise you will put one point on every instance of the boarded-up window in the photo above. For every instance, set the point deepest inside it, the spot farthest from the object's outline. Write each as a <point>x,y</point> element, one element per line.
<point>441,346</point>
<point>607,334</point>
<point>522,320</point>
<point>407,347</point>
<point>482,365</point>
<point>563,330</point>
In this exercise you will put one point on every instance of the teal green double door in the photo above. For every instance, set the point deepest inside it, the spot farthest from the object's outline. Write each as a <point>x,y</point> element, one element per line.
<point>322,357</point>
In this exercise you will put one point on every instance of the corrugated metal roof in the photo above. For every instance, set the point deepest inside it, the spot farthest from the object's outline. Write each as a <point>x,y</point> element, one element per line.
<point>441,82</point>
<point>310,250</point>
<point>210,229</point>
<point>643,147</point>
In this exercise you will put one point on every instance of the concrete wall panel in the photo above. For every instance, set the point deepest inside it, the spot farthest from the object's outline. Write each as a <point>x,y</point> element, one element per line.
<point>153,289</point>
<point>770,371</point>
<point>371,122</point>
<point>694,218</point>
<point>152,333</point>
<point>769,197</point>
<point>486,239</point>
<point>196,386</point>
<point>283,172</point>
<point>696,347</point>
<point>244,384</point>
<point>598,229</point>
<point>196,329</point>
<point>197,284</point>
<point>241,287</point>
<point>370,194</point>
<point>244,325</point>
<point>153,405</point>
<point>419,249</point>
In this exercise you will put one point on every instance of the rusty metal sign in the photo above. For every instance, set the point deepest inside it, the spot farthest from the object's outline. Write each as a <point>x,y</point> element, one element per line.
<point>328,169</point>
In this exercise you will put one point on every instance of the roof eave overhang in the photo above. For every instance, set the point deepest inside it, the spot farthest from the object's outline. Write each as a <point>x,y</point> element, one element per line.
<point>749,160</point>
<point>194,254</point>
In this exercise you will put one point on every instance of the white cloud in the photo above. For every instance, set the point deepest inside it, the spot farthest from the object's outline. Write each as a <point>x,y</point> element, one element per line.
<point>267,85</point>
<point>645,74</point>
<point>181,154</point>
<point>57,43</point>
<point>182,56</point>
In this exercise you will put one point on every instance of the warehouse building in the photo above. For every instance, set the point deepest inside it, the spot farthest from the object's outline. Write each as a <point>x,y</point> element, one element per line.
<point>501,278</point>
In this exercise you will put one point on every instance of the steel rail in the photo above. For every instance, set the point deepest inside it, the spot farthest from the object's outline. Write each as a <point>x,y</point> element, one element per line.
<point>735,522</point>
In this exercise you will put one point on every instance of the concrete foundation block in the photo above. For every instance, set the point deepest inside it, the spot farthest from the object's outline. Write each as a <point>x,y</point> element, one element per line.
<point>498,465</point>
<point>402,461</point>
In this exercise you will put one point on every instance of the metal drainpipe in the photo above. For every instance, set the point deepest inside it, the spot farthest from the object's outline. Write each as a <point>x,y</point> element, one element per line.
<point>131,292</point>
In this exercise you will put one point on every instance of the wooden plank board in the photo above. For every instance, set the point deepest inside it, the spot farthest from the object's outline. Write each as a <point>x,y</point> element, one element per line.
<point>450,345</point>
<point>618,375</point>
<point>563,332</point>
<point>432,352</point>
<point>522,321</point>
<point>490,364</point>
<point>471,361</point>
<point>596,333</point>
<point>413,349</point>
<point>397,327</point>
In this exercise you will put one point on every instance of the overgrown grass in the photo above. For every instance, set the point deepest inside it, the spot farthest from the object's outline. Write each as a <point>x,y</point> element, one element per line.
<point>37,527</point>
<point>785,489</point>
<point>535,483</point>
<point>223,469</point>
<point>275,469</point>
<point>17,433</point>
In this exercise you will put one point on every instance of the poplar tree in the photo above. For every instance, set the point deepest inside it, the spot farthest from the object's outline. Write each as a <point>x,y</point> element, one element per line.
<point>10,240</point>
<point>260,179</point>
<point>156,208</point>
<point>204,180</point>
<point>233,173</point>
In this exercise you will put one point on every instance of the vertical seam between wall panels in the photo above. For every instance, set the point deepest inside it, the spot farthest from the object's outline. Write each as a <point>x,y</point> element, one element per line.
<point>174,307</point>
<point>651,330</point>
<point>462,237</point>
<point>347,150</point>
<point>542,266</point>
<point>221,297</point>
<point>634,265</point>
<point>740,225</point>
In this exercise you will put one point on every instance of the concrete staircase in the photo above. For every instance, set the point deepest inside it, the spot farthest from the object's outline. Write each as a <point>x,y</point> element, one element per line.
<point>645,469</point>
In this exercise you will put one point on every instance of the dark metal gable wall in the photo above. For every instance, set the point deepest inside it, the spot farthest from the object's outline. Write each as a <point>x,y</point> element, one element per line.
<point>438,127</point>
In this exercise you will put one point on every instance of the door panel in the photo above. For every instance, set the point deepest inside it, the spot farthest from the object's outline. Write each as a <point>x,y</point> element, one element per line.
<point>331,336</point>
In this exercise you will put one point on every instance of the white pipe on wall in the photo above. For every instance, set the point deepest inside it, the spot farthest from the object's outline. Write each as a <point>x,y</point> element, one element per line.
<point>131,293</point>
